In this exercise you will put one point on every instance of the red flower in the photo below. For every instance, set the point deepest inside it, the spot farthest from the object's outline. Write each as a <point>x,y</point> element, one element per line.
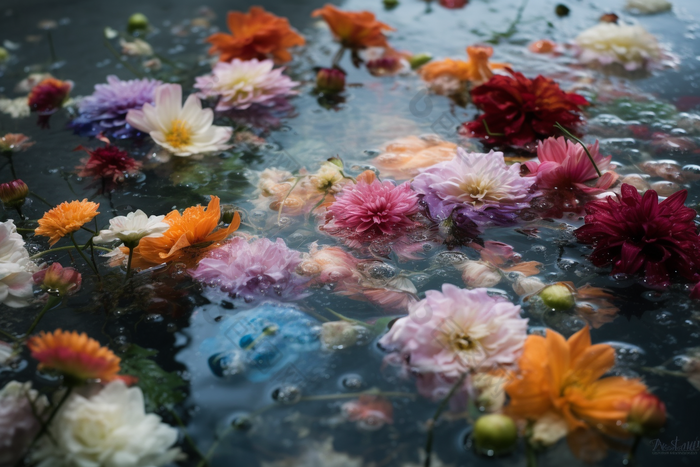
<point>640,235</point>
<point>518,110</point>
<point>108,163</point>
<point>47,97</point>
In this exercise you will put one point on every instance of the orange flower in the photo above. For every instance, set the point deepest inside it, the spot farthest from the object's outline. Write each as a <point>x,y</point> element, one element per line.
<point>75,355</point>
<point>354,29</point>
<point>66,218</point>
<point>191,234</point>
<point>477,70</point>
<point>403,158</point>
<point>256,34</point>
<point>563,378</point>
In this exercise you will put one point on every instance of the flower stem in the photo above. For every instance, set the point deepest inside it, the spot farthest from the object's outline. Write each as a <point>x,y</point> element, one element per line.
<point>436,416</point>
<point>121,60</point>
<point>128,264</point>
<point>633,450</point>
<point>31,193</point>
<point>42,253</point>
<point>85,258</point>
<point>52,49</point>
<point>8,335</point>
<point>568,134</point>
<point>45,426</point>
<point>52,301</point>
<point>12,165</point>
<point>338,57</point>
<point>530,455</point>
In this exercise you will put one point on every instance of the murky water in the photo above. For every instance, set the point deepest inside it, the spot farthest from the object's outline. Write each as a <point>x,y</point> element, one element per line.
<point>275,406</point>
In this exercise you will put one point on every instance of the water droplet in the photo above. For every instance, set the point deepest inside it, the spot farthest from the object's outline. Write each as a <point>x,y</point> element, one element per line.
<point>288,394</point>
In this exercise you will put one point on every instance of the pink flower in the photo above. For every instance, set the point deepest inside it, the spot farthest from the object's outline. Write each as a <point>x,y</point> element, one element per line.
<point>456,331</point>
<point>58,280</point>
<point>329,265</point>
<point>370,412</point>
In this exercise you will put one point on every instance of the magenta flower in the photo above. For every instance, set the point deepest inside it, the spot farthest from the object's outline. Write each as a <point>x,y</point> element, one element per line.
<point>57,280</point>
<point>253,270</point>
<point>639,235</point>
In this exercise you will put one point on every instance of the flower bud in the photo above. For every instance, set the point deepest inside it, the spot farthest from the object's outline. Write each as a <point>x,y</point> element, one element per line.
<point>228,212</point>
<point>137,22</point>
<point>495,434</point>
<point>330,80</point>
<point>13,194</point>
<point>390,4</point>
<point>647,415</point>
<point>558,297</point>
<point>58,281</point>
<point>419,60</point>
<point>562,10</point>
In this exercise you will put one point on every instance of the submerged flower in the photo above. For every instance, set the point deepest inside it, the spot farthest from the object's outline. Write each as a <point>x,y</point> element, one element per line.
<point>639,235</point>
<point>65,219</point>
<point>562,379</point>
<point>111,428</point>
<point>403,159</point>
<point>256,34</point>
<point>456,331</point>
<point>240,84</point>
<point>630,46</point>
<point>107,163</point>
<point>648,6</point>
<point>15,142</point>
<point>477,70</point>
<point>182,130</point>
<point>330,80</point>
<point>58,280</point>
<point>19,407</point>
<point>130,229</point>
<point>474,188</point>
<point>105,110</point>
<point>369,411</point>
<point>75,355</point>
<point>518,110</point>
<point>190,236</point>
<point>260,268</point>
<point>49,95</point>
<point>354,30</point>
<point>15,268</point>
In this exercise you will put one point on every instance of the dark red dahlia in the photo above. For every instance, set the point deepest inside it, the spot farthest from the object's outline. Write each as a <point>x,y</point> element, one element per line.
<point>518,110</point>
<point>108,163</point>
<point>47,97</point>
<point>639,235</point>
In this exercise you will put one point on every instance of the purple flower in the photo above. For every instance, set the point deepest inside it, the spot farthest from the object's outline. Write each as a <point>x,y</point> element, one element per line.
<point>253,270</point>
<point>474,190</point>
<point>105,110</point>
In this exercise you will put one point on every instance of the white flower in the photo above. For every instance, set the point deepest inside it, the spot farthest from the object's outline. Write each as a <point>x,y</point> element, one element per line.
<point>15,268</point>
<point>648,6</point>
<point>631,46</point>
<point>132,228</point>
<point>182,130</point>
<point>548,429</point>
<point>18,425</point>
<point>6,353</point>
<point>15,108</point>
<point>137,48</point>
<point>110,429</point>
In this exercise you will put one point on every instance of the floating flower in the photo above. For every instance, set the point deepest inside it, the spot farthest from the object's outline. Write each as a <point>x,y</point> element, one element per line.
<point>49,95</point>
<point>14,193</point>
<point>256,34</point>
<point>182,130</point>
<point>15,142</point>
<point>629,45</point>
<point>639,235</point>
<point>105,110</point>
<point>74,355</point>
<point>256,269</point>
<point>477,70</point>
<point>562,379</point>
<point>130,229</point>
<point>15,268</point>
<point>111,428</point>
<point>15,108</point>
<point>648,7</point>
<point>354,30</point>
<point>543,46</point>
<point>136,48</point>
<point>474,189</point>
<point>497,261</point>
<point>190,236</point>
<point>457,331</point>
<point>108,164</point>
<point>330,80</point>
<point>18,423</point>
<point>403,158</point>
<point>240,84</point>
<point>518,110</point>
<point>58,280</point>
<point>65,219</point>
<point>370,412</point>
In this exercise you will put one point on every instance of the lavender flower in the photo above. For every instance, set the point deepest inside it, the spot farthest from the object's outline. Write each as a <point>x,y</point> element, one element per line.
<point>105,110</point>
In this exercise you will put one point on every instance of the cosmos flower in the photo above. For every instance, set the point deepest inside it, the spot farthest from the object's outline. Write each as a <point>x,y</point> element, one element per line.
<point>130,229</point>
<point>15,268</point>
<point>648,7</point>
<point>105,110</point>
<point>58,280</point>
<point>518,110</point>
<point>49,95</point>
<point>15,142</point>
<point>65,219</point>
<point>256,34</point>
<point>474,189</point>
<point>562,379</point>
<point>403,158</point>
<point>182,130</point>
<point>75,355</point>
<point>110,428</point>
<point>240,84</point>
<point>18,424</point>
<point>354,30</point>
<point>456,331</point>
<point>477,70</point>
<point>190,236</point>
<point>639,235</point>
<point>629,45</point>
<point>107,163</point>
<point>256,269</point>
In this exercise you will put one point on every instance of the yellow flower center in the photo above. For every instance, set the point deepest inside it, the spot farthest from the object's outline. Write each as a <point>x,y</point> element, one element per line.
<point>179,135</point>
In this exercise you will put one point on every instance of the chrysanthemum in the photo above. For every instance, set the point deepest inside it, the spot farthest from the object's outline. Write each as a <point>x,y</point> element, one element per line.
<point>629,45</point>
<point>456,331</point>
<point>474,188</point>
<point>251,270</point>
<point>518,110</point>
<point>477,70</point>
<point>75,355</point>
<point>639,235</point>
<point>65,219</point>
<point>190,236</point>
<point>354,29</point>
<point>256,34</point>
<point>108,163</point>
<point>131,228</point>
<point>105,110</point>
<point>239,84</point>
<point>182,130</point>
